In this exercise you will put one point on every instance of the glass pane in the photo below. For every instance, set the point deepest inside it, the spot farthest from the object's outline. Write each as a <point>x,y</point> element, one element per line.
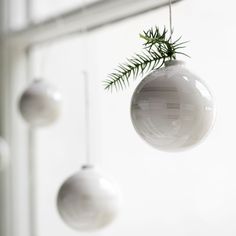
<point>43,9</point>
<point>188,193</point>
<point>60,149</point>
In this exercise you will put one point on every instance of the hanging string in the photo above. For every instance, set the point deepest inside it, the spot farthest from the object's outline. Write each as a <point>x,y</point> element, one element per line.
<point>43,62</point>
<point>88,162</point>
<point>87,120</point>
<point>170,18</point>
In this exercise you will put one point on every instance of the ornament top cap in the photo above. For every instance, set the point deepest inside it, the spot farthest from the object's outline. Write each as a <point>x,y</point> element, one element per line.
<point>86,167</point>
<point>174,63</point>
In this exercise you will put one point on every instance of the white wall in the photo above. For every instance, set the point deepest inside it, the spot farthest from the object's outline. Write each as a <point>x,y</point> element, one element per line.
<point>185,194</point>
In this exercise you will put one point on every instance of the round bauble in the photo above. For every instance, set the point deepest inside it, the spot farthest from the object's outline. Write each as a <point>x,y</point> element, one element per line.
<point>4,154</point>
<point>88,201</point>
<point>40,104</point>
<point>172,109</point>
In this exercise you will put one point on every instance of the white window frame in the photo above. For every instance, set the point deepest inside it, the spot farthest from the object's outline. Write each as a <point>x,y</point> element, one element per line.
<point>14,73</point>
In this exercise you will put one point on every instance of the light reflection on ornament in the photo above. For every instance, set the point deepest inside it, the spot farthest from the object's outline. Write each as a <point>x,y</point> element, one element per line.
<point>172,109</point>
<point>40,104</point>
<point>88,201</point>
<point>4,154</point>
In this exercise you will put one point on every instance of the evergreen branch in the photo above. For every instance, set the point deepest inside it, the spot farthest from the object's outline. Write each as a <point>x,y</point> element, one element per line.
<point>158,48</point>
<point>139,64</point>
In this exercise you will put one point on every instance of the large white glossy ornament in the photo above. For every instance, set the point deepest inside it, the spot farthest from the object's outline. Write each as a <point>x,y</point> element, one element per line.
<point>4,154</point>
<point>88,201</point>
<point>40,104</point>
<point>172,109</point>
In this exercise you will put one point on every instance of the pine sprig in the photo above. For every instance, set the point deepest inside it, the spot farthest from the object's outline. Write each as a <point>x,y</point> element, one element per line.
<point>139,64</point>
<point>158,48</point>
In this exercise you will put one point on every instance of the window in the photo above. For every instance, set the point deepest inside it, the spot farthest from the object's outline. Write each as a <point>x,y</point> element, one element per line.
<point>33,34</point>
<point>190,193</point>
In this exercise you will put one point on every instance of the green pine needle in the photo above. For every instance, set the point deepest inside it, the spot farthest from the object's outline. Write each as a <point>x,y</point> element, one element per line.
<point>158,48</point>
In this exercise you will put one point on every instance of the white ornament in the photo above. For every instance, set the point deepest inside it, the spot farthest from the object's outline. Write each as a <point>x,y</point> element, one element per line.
<point>40,104</point>
<point>4,154</point>
<point>88,201</point>
<point>172,109</point>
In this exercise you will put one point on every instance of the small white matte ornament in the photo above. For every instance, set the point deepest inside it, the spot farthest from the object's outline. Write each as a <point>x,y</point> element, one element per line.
<point>4,154</point>
<point>40,104</point>
<point>172,109</point>
<point>88,201</point>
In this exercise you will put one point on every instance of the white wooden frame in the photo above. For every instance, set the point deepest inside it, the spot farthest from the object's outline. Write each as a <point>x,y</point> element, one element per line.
<point>14,67</point>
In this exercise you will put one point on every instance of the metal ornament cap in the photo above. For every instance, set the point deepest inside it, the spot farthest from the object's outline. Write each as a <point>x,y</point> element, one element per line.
<point>40,104</point>
<point>172,109</point>
<point>88,201</point>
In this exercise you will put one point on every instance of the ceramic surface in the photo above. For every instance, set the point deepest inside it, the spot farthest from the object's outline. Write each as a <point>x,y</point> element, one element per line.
<point>40,104</point>
<point>172,109</point>
<point>4,154</point>
<point>88,201</point>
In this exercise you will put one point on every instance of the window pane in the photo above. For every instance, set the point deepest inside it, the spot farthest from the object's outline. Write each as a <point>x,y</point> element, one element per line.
<point>189,193</point>
<point>60,149</point>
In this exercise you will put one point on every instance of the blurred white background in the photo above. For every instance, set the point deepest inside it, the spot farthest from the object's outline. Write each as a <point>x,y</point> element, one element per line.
<point>190,193</point>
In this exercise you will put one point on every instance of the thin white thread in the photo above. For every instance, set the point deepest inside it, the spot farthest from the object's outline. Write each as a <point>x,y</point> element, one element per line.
<point>87,118</point>
<point>44,62</point>
<point>170,18</point>
<point>45,49</point>
<point>86,91</point>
